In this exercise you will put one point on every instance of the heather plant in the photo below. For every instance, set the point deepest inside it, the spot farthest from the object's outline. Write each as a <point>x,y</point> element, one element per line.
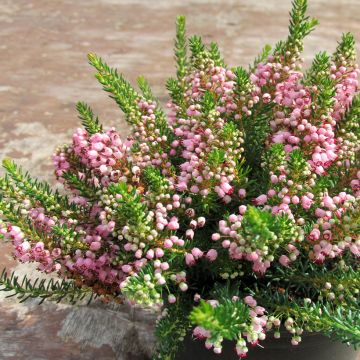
<point>234,213</point>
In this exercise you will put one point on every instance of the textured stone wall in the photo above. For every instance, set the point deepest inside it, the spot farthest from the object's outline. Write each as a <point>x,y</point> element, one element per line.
<point>43,72</point>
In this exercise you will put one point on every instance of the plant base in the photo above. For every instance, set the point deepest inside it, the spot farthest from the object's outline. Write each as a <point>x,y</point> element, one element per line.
<point>312,347</point>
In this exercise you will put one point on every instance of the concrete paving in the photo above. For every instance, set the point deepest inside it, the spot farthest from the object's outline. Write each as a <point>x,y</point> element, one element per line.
<point>44,72</point>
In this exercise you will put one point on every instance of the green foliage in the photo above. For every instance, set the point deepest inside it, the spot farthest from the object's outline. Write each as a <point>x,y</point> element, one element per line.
<point>275,157</point>
<point>300,26</point>
<point>198,51</point>
<point>265,52</point>
<point>242,79</point>
<point>201,53</point>
<point>43,289</point>
<point>180,47</point>
<point>84,188</point>
<point>263,228</point>
<point>297,162</point>
<point>145,88</point>
<point>35,190</point>
<point>175,92</point>
<point>89,122</point>
<point>170,331</point>
<point>320,67</point>
<point>225,321</point>
<point>214,54</point>
<point>319,76</point>
<point>338,285</point>
<point>216,157</point>
<point>352,116</point>
<point>208,102</point>
<point>197,47</point>
<point>225,291</point>
<point>345,50</point>
<point>67,238</point>
<point>325,183</point>
<point>161,121</point>
<point>349,127</point>
<point>230,131</point>
<point>120,89</point>
<point>130,208</point>
<point>125,95</point>
<point>256,131</point>
<point>142,288</point>
<point>342,324</point>
<point>339,323</point>
<point>156,182</point>
<point>298,166</point>
<point>279,47</point>
<point>207,204</point>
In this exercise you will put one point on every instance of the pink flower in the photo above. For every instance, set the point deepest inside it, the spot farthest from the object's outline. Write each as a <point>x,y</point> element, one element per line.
<point>227,188</point>
<point>328,202</point>
<point>201,333</point>
<point>173,224</point>
<point>95,245</point>
<point>211,255</point>
<point>271,193</point>
<point>197,253</point>
<point>150,254</point>
<point>314,234</point>
<point>159,253</point>
<point>233,218</point>
<point>55,253</point>
<point>320,213</point>
<point>242,209</point>
<point>249,300</point>
<point>215,237</point>
<point>260,200</point>
<point>168,244</point>
<point>126,268</point>
<point>306,202</point>
<point>284,260</point>
<point>327,235</point>
<point>252,256</point>
<point>274,179</point>
<point>189,259</point>
<point>190,234</point>
<point>164,266</point>
<point>295,200</point>
<point>355,249</point>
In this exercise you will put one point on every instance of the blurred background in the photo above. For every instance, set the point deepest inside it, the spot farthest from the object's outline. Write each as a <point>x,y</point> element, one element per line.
<point>44,72</point>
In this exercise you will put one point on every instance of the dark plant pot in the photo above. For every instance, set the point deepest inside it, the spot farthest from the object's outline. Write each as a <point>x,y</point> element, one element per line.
<point>312,347</point>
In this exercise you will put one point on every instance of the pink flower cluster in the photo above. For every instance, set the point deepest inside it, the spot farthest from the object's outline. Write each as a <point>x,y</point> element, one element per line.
<point>238,246</point>
<point>26,251</point>
<point>246,174</point>
<point>104,154</point>
<point>197,139</point>
<point>153,145</point>
<point>109,250</point>
<point>326,228</point>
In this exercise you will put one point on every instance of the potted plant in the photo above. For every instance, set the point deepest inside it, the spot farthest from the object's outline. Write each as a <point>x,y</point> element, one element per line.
<point>235,214</point>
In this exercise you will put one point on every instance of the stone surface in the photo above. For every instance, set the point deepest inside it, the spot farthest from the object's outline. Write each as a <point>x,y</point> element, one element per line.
<point>43,46</point>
